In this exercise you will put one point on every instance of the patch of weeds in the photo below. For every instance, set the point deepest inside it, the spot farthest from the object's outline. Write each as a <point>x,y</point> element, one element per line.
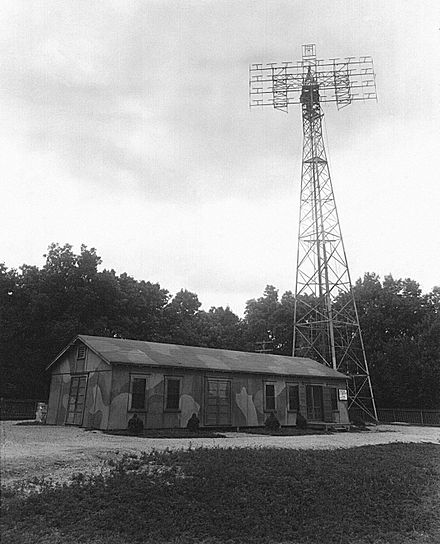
<point>168,433</point>
<point>361,429</point>
<point>381,494</point>
<point>284,431</point>
<point>16,492</point>
<point>29,423</point>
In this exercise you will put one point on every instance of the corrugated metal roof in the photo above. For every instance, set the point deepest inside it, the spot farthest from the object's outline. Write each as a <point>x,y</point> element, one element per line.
<point>116,350</point>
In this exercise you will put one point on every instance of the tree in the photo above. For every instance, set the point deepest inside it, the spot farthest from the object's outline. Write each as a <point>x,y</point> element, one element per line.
<point>43,309</point>
<point>270,321</point>
<point>399,327</point>
<point>180,319</point>
<point>220,328</point>
<point>260,318</point>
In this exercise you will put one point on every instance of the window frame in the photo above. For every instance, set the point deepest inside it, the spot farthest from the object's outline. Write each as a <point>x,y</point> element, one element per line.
<point>167,380</point>
<point>266,407</point>
<point>81,351</point>
<point>289,407</point>
<point>133,377</point>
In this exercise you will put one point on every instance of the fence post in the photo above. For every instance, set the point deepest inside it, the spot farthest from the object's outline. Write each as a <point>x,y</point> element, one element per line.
<point>421,417</point>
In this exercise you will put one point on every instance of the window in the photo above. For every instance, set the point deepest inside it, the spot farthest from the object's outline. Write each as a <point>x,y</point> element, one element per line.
<point>172,393</point>
<point>138,387</point>
<point>292,398</point>
<point>269,396</point>
<point>334,399</point>
<point>81,352</point>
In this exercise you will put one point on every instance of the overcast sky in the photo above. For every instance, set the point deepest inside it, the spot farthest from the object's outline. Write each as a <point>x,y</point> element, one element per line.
<point>125,126</point>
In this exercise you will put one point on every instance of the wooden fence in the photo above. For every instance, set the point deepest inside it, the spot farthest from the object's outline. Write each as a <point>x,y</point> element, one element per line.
<point>18,409</point>
<point>409,415</point>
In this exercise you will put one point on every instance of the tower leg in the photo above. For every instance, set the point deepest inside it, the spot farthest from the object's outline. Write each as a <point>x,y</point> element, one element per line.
<point>326,321</point>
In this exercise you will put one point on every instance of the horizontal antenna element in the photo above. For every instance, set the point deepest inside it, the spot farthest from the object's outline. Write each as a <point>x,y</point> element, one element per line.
<point>342,81</point>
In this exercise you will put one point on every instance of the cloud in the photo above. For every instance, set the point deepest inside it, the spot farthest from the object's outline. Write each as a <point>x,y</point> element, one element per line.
<point>125,125</point>
<point>152,99</point>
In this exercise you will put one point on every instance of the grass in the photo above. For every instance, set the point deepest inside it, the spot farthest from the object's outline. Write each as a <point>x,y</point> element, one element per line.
<point>370,495</point>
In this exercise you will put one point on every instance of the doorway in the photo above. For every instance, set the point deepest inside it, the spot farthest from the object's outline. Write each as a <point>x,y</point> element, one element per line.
<point>218,402</point>
<point>315,407</point>
<point>77,397</point>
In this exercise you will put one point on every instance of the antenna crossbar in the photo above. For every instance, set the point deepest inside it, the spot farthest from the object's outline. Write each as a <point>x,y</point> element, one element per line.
<point>342,81</point>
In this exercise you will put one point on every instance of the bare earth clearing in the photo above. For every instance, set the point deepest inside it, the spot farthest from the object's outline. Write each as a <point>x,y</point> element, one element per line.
<point>58,452</point>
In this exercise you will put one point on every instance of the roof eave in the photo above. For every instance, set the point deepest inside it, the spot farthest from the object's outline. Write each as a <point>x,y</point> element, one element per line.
<point>62,352</point>
<point>70,344</point>
<point>228,371</point>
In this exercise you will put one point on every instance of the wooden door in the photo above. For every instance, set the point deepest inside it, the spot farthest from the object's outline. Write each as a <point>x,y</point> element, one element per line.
<point>77,398</point>
<point>315,408</point>
<point>218,402</point>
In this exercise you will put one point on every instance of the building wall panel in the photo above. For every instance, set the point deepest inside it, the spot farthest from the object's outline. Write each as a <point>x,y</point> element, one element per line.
<point>119,398</point>
<point>97,400</point>
<point>244,411</point>
<point>97,408</point>
<point>63,399</point>
<point>302,399</point>
<point>54,398</point>
<point>328,413</point>
<point>191,397</point>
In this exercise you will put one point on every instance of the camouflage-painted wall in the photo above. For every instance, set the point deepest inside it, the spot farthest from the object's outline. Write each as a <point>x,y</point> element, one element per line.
<point>154,416</point>
<point>108,397</point>
<point>97,374</point>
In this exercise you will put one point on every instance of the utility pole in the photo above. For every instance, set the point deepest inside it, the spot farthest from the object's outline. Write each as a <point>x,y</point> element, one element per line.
<point>326,322</point>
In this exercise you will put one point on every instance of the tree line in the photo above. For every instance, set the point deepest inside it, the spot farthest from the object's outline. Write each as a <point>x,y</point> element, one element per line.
<point>42,309</point>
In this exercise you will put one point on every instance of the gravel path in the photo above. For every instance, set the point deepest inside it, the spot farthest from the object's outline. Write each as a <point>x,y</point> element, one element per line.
<point>58,452</point>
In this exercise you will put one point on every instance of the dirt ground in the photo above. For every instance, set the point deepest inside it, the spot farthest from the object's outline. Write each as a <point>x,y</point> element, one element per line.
<point>57,453</point>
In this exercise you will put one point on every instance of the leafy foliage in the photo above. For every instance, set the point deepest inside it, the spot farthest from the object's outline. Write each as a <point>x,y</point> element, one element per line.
<point>401,330</point>
<point>270,320</point>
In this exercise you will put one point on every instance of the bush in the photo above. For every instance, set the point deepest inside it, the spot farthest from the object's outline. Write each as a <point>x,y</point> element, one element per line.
<point>358,421</point>
<point>193,423</point>
<point>301,421</point>
<point>135,425</point>
<point>272,423</point>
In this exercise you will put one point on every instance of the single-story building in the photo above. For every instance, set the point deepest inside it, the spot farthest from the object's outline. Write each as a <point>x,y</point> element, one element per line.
<point>101,382</point>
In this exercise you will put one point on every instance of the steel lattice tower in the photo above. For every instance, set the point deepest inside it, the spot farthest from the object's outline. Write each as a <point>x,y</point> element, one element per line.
<point>326,323</point>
